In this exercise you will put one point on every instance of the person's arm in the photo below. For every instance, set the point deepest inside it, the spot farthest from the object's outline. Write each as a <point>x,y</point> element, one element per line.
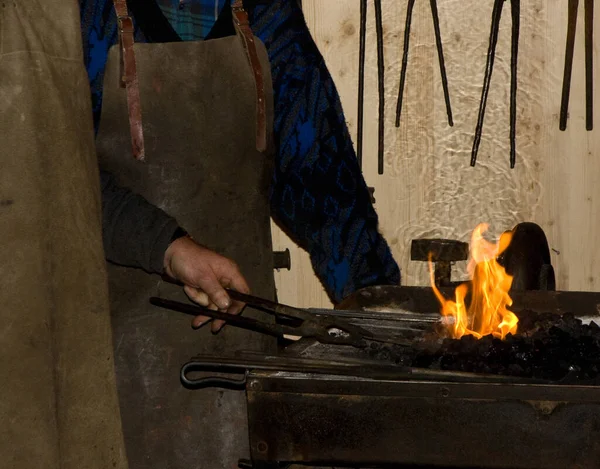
<point>135,232</point>
<point>138,234</point>
<point>319,195</point>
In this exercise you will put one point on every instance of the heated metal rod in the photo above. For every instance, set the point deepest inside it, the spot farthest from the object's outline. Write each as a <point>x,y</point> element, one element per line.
<point>381,82</point>
<point>361,80</point>
<point>409,11</point>
<point>570,47</point>
<point>589,64</point>
<point>440,51</point>
<point>516,24</point>
<point>394,316</point>
<point>496,15</point>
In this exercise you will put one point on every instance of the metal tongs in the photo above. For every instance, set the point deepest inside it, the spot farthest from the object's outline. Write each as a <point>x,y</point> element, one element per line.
<point>440,51</point>
<point>323,327</point>
<point>380,82</point>
<point>197,373</point>
<point>495,28</point>
<point>589,63</point>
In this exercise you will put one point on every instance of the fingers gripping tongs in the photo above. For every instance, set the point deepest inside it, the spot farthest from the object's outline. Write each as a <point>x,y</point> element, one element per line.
<point>325,328</point>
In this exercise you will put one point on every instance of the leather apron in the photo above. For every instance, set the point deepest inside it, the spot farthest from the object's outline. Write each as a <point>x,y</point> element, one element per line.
<point>58,398</point>
<point>198,106</point>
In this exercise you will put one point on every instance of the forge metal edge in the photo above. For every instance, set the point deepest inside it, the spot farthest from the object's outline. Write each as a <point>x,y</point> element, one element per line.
<point>422,300</point>
<point>307,419</point>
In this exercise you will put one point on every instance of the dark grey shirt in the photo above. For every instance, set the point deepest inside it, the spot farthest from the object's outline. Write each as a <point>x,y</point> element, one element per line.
<point>135,232</point>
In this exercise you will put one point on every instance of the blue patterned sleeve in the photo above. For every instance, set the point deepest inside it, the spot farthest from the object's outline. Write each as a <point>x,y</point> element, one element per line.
<point>319,196</point>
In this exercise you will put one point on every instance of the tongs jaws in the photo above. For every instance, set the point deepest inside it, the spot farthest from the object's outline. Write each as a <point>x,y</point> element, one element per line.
<point>327,329</point>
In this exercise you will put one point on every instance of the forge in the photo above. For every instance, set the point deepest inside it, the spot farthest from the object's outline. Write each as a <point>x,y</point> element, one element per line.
<point>414,393</point>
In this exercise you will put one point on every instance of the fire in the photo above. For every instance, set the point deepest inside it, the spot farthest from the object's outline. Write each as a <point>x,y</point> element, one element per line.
<point>487,312</point>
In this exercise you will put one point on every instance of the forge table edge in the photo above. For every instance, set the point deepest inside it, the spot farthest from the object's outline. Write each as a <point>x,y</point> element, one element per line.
<point>310,419</point>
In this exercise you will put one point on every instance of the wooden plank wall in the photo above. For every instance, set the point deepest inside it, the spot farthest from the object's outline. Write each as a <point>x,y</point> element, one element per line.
<point>429,189</point>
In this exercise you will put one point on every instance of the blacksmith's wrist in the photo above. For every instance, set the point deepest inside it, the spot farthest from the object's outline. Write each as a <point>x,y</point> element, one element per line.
<point>179,233</point>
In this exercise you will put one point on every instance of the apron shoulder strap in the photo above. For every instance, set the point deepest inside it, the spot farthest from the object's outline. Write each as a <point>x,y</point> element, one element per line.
<point>242,26</point>
<point>129,78</point>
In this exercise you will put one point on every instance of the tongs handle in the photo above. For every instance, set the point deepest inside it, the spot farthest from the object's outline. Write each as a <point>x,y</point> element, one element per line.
<point>234,320</point>
<point>305,329</point>
<point>213,381</point>
<point>270,307</point>
<point>247,362</point>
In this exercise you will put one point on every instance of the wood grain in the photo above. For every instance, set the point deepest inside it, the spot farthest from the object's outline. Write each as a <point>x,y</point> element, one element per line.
<point>428,188</point>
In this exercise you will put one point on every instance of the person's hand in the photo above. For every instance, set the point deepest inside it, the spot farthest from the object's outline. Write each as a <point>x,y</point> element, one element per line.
<point>205,275</point>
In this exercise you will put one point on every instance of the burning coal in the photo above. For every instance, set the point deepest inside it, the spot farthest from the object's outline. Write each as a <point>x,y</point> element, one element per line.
<point>487,312</point>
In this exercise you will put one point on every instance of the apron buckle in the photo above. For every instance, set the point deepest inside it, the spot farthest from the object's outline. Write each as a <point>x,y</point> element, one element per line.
<point>125,24</point>
<point>240,16</point>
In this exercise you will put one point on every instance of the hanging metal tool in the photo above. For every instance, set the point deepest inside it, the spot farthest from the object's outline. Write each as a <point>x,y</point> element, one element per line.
<point>380,81</point>
<point>361,79</point>
<point>440,51</point>
<point>589,63</point>
<point>516,19</point>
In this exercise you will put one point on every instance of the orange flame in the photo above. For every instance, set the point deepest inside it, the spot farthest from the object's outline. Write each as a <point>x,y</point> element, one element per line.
<point>489,286</point>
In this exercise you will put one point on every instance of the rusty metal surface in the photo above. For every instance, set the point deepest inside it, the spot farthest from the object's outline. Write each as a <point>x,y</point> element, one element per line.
<point>324,420</point>
<point>374,423</point>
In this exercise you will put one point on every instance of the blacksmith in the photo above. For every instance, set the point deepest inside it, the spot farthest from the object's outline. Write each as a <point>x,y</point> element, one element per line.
<point>204,169</point>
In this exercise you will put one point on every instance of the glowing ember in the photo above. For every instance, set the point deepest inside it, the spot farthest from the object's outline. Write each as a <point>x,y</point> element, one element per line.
<point>489,285</point>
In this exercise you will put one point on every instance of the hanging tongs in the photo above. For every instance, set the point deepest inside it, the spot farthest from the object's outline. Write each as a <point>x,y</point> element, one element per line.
<point>589,63</point>
<point>440,51</point>
<point>325,328</point>
<point>495,28</point>
<point>380,82</point>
